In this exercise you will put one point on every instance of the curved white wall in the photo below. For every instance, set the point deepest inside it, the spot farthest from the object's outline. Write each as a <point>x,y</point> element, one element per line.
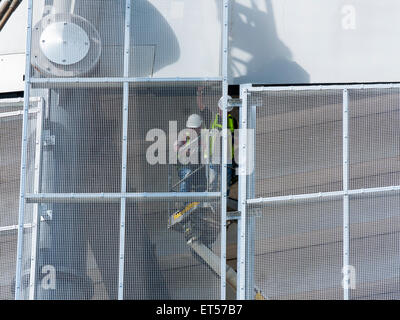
<point>272,41</point>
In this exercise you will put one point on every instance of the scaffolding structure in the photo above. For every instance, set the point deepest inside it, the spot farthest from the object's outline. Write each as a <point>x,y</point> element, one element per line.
<point>88,216</point>
<point>110,203</point>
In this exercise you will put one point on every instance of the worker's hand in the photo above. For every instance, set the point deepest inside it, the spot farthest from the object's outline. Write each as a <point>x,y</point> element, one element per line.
<point>200,103</point>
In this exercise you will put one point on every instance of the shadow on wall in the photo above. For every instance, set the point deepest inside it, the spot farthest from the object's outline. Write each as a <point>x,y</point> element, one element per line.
<point>257,55</point>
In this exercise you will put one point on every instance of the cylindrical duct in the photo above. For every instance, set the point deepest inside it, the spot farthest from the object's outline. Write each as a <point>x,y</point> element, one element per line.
<point>63,243</point>
<point>62,6</point>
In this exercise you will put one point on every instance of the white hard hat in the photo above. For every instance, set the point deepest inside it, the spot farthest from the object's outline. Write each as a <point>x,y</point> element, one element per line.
<point>194,121</point>
<point>221,104</point>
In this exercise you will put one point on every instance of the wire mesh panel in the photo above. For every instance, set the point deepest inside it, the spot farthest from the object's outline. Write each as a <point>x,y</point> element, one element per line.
<point>374,138</point>
<point>88,234</point>
<point>78,38</point>
<point>348,247</point>
<point>374,250</point>
<point>374,228</point>
<point>294,250</point>
<point>167,38</point>
<point>8,257</point>
<point>78,244</point>
<point>298,250</point>
<point>80,138</point>
<point>10,146</point>
<point>172,261</point>
<point>10,157</point>
<point>298,142</point>
<point>75,252</point>
<point>158,118</point>
<point>172,39</point>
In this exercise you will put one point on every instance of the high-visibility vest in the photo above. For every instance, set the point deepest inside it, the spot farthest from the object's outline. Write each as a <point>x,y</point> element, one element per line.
<point>217,125</point>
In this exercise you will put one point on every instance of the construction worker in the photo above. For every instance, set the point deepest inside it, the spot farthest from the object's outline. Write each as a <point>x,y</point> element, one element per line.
<point>191,172</point>
<point>216,124</point>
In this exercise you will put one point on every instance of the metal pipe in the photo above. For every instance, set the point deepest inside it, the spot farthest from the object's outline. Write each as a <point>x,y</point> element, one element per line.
<point>214,262</point>
<point>62,6</point>
<point>4,8</point>
<point>12,7</point>
<point>68,121</point>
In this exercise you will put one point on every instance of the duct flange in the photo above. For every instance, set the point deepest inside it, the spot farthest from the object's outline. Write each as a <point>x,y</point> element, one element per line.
<point>65,45</point>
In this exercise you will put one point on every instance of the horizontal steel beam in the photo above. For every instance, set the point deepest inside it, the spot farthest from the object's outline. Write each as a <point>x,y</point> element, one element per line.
<point>325,87</point>
<point>324,195</point>
<point>120,80</point>
<point>17,113</point>
<point>115,197</point>
<point>14,227</point>
<point>233,215</point>
<point>16,102</point>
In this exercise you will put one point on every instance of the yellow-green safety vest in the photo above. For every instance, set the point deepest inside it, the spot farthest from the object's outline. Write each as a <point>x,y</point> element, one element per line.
<point>217,125</point>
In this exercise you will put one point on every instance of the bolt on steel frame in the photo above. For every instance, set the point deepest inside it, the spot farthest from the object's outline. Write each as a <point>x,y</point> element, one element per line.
<point>38,197</point>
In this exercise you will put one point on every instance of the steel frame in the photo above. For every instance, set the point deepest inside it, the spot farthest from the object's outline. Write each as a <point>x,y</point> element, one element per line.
<point>224,195</point>
<point>123,196</point>
<point>344,194</point>
<point>242,197</point>
<point>324,87</point>
<point>36,189</point>
<point>16,102</point>
<point>119,80</point>
<point>21,213</point>
<point>125,113</point>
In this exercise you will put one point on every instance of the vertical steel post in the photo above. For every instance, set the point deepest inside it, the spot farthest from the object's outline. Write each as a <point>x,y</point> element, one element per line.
<point>21,212</point>
<point>124,150</point>
<point>36,189</point>
<point>224,195</point>
<point>250,225</point>
<point>346,219</point>
<point>242,196</point>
